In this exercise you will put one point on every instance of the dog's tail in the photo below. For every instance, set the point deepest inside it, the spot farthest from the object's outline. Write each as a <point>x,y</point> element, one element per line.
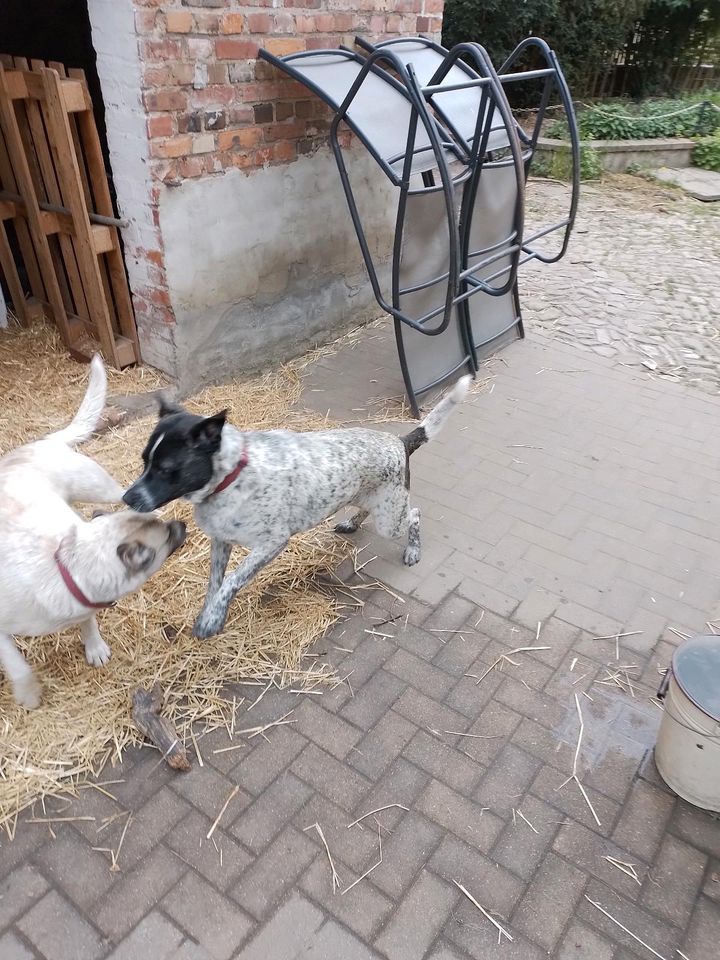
<point>88,416</point>
<point>436,419</point>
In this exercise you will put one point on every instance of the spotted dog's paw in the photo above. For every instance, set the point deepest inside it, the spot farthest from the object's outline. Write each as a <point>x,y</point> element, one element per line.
<point>411,556</point>
<point>209,623</point>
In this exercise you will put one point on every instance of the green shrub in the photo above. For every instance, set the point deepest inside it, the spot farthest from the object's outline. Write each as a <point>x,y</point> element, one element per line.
<point>707,153</point>
<point>558,164</point>
<point>653,118</point>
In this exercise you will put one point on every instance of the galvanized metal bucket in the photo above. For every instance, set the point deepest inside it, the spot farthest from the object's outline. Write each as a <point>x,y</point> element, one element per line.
<point>687,752</point>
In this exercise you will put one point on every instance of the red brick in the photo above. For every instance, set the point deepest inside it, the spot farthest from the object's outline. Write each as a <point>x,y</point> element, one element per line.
<point>259,22</point>
<point>182,73</point>
<point>239,139</point>
<point>178,21</point>
<point>232,23</point>
<point>227,49</point>
<point>282,46</point>
<point>189,167</point>
<point>172,147</point>
<point>161,100</point>
<point>160,49</point>
<point>207,22</point>
<point>145,21</point>
<point>211,95</point>
<point>423,24</point>
<point>160,126</point>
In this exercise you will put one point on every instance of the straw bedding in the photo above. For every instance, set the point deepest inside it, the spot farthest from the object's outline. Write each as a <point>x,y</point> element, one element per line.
<point>84,719</point>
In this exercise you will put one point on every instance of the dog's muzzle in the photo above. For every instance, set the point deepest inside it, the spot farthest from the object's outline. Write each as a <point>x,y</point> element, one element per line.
<point>137,498</point>
<point>176,534</point>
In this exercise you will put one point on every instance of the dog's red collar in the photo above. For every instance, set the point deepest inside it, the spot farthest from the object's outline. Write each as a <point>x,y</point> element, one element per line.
<point>233,475</point>
<point>75,589</point>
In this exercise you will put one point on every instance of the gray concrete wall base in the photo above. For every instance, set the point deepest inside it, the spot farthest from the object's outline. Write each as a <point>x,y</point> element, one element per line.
<point>618,155</point>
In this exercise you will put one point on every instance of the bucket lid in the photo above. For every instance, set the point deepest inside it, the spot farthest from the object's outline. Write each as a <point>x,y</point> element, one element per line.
<point>696,668</point>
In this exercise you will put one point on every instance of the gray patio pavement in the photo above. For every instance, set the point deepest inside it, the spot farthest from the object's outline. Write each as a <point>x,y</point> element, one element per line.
<point>572,492</point>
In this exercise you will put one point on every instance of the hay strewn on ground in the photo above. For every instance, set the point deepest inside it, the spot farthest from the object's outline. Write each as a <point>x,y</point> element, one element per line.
<point>85,716</point>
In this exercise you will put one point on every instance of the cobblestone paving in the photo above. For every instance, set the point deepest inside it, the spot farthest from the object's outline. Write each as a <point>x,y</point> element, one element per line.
<point>640,282</point>
<point>576,494</point>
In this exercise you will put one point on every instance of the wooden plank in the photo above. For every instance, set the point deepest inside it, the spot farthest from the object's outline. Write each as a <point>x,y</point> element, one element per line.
<point>54,196</point>
<point>8,210</point>
<point>66,166</point>
<point>24,185</point>
<point>27,251</point>
<point>9,270</point>
<point>72,95</point>
<point>103,205</point>
<point>102,238</point>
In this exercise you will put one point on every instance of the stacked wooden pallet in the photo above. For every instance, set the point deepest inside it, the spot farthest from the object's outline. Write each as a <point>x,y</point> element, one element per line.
<point>54,190</point>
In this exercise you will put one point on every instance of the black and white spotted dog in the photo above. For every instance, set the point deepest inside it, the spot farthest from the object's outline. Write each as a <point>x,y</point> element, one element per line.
<point>258,489</point>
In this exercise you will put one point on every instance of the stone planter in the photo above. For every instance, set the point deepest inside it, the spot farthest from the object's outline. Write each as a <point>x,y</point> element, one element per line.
<point>618,155</point>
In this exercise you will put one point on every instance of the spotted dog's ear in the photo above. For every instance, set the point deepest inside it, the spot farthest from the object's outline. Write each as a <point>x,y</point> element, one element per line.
<point>206,434</point>
<point>166,406</point>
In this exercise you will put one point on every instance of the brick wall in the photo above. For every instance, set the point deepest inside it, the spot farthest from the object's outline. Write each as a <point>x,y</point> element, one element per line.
<point>212,105</point>
<point>187,100</point>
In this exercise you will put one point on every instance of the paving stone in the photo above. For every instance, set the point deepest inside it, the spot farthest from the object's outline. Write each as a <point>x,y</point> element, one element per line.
<point>266,881</point>
<point>550,901</point>
<point>382,745</point>
<point>569,800</point>
<point>506,782</point>
<point>258,770</point>
<point>401,783</point>
<point>454,859</point>
<point>415,640</point>
<point>677,878</point>
<point>421,915</point>
<point>443,762</point>
<point>373,700</point>
<point>210,918</point>
<point>333,942</point>
<point>469,698</point>
<point>11,948</point>
<point>460,816</point>
<point>496,722</point>
<point>588,850</point>
<point>220,860</point>
<point>328,776</point>
<point>712,881</point>
<point>418,673</point>
<point>643,820</point>
<point>357,846</point>
<point>59,932</point>
<point>519,848</point>
<point>479,939</point>
<point>703,934</point>
<point>582,943</point>
<point>696,827</point>
<point>548,746</point>
<point>425,712</point>
<point>659,935</point>
<point>534,704</point>
<point>290,930</point>
<point>405,851</point>
<point>452,614</point>
<point>207,790</point>
<point>364,910</point>
<point>329,732</point>
<point>257,824</point>
<point>459,651</point>
<point>18,891</point>
<point>155,936</point>
<point>150,823</point>
<point>444,952</point>
<point>136,892</point>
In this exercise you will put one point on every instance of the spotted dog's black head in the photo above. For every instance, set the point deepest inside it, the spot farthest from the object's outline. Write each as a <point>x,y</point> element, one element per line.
<point>178,457</point>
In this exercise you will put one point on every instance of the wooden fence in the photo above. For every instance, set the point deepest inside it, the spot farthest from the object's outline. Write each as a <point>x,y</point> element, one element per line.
<point>54,191</point>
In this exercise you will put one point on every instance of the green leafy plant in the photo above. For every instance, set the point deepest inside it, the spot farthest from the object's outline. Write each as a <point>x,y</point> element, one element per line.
<point>686,117</point>
<point>707,153</point>
<point>557,165</point>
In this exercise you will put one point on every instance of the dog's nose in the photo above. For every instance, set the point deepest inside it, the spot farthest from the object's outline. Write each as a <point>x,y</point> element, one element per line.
<point>135,499</point>
<point>177,533</point>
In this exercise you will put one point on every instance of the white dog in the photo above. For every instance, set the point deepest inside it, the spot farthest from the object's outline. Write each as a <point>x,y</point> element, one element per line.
<point>57,569</point>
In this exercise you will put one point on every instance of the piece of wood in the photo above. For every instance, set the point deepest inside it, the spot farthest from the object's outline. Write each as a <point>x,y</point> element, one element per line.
<point>146,715</point>
<point>25,186</point>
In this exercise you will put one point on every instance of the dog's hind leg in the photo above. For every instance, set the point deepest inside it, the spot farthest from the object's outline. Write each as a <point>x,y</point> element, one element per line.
<point>25,687</point>
<point>214,613</point>
<point>97,652</point>
<point>353,524</point>
<point>412,550</point>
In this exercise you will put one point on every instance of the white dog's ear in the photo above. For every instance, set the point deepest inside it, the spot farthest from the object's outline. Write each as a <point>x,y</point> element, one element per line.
<point>68,542</point>
<point>206,434</point>
<point>135,555</point>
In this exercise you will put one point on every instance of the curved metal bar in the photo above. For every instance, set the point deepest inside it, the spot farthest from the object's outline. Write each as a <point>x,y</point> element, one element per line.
<point>569,110</point>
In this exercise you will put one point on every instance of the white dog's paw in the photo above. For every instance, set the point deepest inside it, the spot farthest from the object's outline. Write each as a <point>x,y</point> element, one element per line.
<point>411,555</point>
<point>97,655</point>
<point>209,623</point>
<point>27,692</point>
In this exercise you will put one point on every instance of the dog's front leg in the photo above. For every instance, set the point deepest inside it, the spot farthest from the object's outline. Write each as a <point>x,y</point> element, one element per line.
<point>25,687</point>
<point>214,613</point>
<point>97,652</point>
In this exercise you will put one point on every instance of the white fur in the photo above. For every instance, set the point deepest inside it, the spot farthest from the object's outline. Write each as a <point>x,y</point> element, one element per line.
<point>38,482</point>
